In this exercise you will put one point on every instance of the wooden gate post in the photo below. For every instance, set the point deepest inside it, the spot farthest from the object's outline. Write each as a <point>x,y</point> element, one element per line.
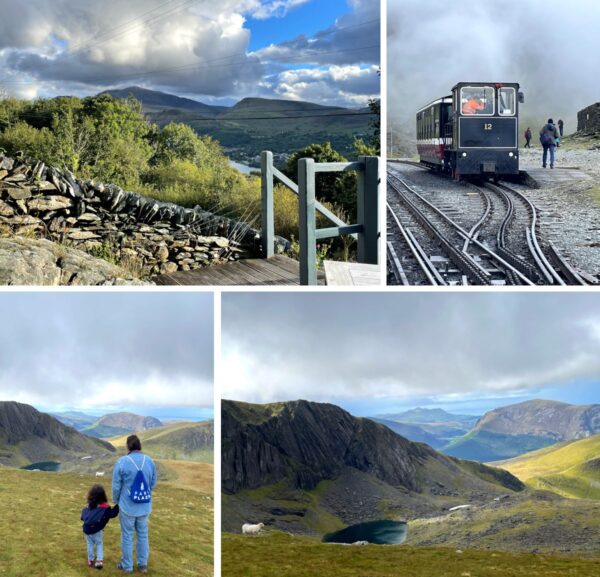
<point>369,182</point>
<point>267,209</point>
<point>307,221</point>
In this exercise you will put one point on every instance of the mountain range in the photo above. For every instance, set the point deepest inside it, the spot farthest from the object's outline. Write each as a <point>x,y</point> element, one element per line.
<point>28,436</point>
<point>109,425</point>
<point>256,124</point>
<point>516,429</point>
<point>307,467</point>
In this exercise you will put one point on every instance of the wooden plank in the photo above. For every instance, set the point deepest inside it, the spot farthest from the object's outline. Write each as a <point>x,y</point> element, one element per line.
<point>307,221</point>
<point>268,223</point>
<point>351,274</point>
<point>278,270</point>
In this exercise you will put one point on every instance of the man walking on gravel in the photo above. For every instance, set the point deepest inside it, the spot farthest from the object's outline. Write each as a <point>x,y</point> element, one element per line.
<point>528,136</point>
<point>548,138</point>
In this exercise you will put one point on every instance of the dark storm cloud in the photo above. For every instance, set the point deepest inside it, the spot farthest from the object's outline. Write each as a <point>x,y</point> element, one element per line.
<point>336,346</point>
<point>550,47</point>
<point>90,349</point>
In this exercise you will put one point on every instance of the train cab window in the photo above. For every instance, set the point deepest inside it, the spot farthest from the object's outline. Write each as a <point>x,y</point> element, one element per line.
<point>507,103</point>
<point>477,100</point>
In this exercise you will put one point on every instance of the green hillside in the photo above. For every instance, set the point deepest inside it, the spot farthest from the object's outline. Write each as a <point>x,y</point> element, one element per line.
<point>186,441</point>
<point>256,124</point>
<point>571,469</point>
<point>281,555</point>
<point>41,532</point>
<point>486,446</point>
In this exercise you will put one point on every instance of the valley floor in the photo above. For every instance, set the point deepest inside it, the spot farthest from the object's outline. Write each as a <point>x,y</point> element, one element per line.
<point>281,555</point>
<point>41,536</point>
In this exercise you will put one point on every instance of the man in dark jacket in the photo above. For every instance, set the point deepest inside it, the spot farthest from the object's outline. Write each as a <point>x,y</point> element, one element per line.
<point>548,136</point>
<point>561,125</point>
<point>528,138</point>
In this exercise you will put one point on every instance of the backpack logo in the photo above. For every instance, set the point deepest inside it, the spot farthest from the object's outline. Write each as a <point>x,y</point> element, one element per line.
<point>140,491</point>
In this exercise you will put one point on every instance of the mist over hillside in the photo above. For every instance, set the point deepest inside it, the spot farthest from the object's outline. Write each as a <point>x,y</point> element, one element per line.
<point>550,48</point>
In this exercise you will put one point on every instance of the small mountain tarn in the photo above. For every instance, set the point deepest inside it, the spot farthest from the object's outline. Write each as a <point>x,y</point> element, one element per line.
<point>383,532</point>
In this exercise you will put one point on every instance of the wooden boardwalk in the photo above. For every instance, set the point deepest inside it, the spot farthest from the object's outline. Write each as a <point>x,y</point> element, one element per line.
<point>277,270</point>
<point>351,274</point>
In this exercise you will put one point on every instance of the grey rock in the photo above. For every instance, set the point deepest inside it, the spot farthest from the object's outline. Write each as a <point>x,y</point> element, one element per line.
<point>48,203</point>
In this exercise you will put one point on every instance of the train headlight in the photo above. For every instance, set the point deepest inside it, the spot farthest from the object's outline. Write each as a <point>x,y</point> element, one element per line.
<point>510,154</point>
<point>464,154</point>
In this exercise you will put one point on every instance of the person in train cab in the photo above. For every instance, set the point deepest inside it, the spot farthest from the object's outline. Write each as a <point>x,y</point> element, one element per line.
<point>472,105</point>
<point>561,125</point>
<point>548,138</point>
<point>528,136</point>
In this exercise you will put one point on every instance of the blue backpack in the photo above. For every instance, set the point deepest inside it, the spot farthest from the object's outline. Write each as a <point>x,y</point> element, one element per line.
<point>140,490</point>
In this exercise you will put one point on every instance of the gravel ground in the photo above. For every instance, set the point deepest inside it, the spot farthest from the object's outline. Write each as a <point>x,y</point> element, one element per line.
<point>570,212</point>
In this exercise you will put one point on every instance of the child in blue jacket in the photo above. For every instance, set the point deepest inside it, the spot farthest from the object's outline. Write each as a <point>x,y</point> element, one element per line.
<point>95,517</point>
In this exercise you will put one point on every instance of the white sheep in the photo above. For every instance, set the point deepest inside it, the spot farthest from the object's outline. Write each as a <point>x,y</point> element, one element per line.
<point>99,473</point>
<point>248,529</point>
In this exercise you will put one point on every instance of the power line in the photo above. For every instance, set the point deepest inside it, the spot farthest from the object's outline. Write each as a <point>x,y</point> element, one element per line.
<point>132,24</point>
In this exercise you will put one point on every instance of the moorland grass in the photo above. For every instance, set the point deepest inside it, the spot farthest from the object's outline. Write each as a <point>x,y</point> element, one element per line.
<point>41,535</point>
<point>281,555</point>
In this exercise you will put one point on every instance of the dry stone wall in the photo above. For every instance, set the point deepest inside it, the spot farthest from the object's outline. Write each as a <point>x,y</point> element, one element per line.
<point>41,201</point>
<point>588,119</point>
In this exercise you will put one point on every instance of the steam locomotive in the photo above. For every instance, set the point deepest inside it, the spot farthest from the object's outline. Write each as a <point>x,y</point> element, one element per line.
<point>472,132</point>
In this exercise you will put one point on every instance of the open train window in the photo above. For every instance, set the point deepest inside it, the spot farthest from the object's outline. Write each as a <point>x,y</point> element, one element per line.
<point>507,103</point>
<point>477,100</point>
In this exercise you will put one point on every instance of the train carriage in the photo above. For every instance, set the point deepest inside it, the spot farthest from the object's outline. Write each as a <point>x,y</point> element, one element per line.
<point>472,132</point>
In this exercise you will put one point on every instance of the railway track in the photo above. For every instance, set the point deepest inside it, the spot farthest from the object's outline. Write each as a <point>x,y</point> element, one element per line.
<point>494,241</point>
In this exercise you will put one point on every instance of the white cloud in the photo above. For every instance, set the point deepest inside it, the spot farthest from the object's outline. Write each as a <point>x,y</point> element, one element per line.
<point>333,85</point>
<point>362,346</point>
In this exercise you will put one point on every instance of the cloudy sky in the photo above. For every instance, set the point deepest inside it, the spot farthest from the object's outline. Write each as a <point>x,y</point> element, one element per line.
<point>375,353</point>
<point>550,47</point>
<point>217,51</point>
<point>150,353</point>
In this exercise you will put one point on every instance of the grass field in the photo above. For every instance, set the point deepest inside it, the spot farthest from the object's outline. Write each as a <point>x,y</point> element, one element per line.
<point>41,536</point>
<point>281,555</point>
<point>571,469</point>
<point>168,442</point>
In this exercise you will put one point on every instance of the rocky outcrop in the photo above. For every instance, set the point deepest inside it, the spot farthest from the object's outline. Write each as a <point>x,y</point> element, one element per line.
<point>25,433</point>
<point>102,219</point>
<point>588,119</point>
<point>25,261</point>
<point>305,443</point>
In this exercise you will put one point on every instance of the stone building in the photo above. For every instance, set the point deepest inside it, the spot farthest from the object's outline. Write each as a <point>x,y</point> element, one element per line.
<point>588,119</point>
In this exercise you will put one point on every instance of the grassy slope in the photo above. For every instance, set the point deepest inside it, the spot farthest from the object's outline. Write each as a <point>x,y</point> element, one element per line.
<point>569,469</point>
<point>42,537</point>
<point>159,443</point>
<point>280,555</point>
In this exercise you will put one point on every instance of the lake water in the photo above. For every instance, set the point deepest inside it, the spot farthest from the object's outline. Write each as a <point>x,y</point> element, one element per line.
<point>378,532</point>
<point>52,466</point>
<point>243,168</point>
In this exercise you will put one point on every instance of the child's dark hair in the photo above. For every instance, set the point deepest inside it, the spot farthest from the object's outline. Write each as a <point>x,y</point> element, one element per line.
<point>96,496</point>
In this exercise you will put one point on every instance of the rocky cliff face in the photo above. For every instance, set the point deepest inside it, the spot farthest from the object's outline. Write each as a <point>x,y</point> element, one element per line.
<point>25,433</point>
<point>559,421</point>
<point>102,219</point>
<point>309,442</point>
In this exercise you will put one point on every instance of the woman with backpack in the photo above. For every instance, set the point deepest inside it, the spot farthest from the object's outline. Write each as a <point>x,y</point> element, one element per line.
<point>95,517</point>
<point>134,479</point>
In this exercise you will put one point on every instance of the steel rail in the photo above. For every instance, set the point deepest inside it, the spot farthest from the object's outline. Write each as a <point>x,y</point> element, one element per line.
<point>465,235</point>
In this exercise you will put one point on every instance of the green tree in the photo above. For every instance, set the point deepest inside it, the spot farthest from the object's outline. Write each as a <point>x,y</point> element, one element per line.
<point>333,187</point>
<point>32,142</point>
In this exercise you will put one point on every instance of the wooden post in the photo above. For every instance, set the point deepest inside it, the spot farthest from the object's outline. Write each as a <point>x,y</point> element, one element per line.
<point>307,221</point>
<point>268,221</point>
<point>369,182</point>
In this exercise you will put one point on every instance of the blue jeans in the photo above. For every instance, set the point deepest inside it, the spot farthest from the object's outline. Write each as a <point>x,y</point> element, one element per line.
<point>130,524</point>
<point>546,147</point>
<point>95,539</point>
